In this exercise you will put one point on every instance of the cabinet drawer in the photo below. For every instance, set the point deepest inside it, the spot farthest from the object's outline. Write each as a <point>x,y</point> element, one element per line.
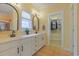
<point>9,52</point>
<point>7,45</point>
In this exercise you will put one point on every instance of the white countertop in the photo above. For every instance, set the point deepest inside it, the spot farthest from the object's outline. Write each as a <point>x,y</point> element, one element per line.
<point>8,39</point>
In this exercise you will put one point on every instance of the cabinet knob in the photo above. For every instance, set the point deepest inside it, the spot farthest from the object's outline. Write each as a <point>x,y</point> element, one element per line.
<point>35,41</point>
<point>35,45</point>
<point>22,48</point>
<point>35,37</point>
<point>42,38</point>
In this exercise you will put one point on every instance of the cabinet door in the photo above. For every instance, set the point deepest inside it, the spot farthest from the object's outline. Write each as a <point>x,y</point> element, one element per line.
<point>41,40</point>
<point>36,42</point>
<point>33,45</point>
<point>9,49</point>
<point>10,52</point>
<point>26,47</point>
<point>42,43</point>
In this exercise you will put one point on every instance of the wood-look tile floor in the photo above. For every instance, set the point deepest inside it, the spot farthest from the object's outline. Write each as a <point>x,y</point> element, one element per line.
<point>45,51</point>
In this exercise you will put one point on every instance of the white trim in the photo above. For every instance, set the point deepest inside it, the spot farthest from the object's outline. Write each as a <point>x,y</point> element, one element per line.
<point>62,17</point>
<point>48,30</point>
<point>62,29</point>
<point>71,25</point>
<point>74,29</point>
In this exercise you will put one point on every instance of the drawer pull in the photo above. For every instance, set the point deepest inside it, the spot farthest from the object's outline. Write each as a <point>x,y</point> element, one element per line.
<point>35,41</point>
<point>18,50</point>
<point>22,48</point>
<point>35,37</point>
<point>42,38</point>
<point>35,45</point>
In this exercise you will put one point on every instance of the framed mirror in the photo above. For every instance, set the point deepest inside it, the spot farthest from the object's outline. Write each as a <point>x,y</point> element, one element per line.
<point>35,23</point>
<point>9,17</point>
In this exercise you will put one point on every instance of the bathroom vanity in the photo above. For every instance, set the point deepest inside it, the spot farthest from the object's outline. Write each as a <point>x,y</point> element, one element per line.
<point>18,44</point>
<point>24,45</point>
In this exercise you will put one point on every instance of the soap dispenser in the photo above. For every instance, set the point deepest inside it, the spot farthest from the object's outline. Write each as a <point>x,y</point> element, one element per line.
<point>13,34</point>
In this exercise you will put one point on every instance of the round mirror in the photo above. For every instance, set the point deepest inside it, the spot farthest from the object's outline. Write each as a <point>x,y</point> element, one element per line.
<point>8,17</point>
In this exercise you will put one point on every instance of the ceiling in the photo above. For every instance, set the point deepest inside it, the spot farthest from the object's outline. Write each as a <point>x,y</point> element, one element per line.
<point>6,9</point>
<point>37,6</point>
<point>42,5</point>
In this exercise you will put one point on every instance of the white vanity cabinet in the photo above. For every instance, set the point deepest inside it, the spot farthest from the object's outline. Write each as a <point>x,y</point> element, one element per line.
<point>24,46</point>
<point>38,42</point>
<point>10,49</point>
<point>10,52</point>
<point>31,45</point>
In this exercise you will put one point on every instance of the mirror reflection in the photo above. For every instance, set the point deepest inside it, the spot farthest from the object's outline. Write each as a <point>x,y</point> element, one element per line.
<point>36,23</point>
<point>8,18</point>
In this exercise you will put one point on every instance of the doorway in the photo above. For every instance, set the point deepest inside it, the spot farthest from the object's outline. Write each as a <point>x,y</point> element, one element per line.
<point>55,29</point>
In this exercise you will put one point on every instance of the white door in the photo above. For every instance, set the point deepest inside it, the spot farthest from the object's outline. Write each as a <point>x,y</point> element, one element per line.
<point>55,29</point>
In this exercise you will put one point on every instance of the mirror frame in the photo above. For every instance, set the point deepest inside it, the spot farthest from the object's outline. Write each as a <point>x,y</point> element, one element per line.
<point>16,13</point>
<point>37,22</point>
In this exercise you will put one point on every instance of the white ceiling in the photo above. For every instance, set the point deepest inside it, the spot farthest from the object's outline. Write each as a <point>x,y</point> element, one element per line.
<point>5,9</point>
<point>43,5</point>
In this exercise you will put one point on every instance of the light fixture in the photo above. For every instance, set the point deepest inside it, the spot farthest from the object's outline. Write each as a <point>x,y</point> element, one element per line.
<point>16,4</point>
<point>34,12</point>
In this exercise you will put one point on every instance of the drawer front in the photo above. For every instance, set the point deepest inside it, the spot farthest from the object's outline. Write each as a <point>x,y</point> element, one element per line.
<point>9,52</point>
<point>33,47</point>
<point>8,45</point>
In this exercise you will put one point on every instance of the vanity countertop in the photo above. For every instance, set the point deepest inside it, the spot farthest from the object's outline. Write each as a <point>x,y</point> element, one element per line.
<point>8,39</point>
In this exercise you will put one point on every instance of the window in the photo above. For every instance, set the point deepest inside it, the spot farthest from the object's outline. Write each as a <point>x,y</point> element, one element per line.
<point>26,21</point>
<point>2,26</point>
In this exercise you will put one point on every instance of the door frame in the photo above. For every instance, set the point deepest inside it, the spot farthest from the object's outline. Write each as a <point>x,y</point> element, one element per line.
<point>62,34</point>
<point>73,15</point>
